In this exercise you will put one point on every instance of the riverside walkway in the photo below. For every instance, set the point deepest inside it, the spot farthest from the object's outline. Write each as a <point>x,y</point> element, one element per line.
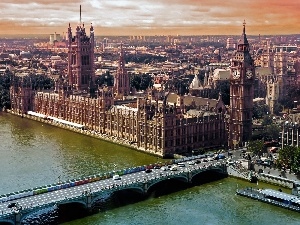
<point>15,207</point>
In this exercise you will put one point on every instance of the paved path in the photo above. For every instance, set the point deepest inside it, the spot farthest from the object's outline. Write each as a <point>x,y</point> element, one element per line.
<point>277,172</point>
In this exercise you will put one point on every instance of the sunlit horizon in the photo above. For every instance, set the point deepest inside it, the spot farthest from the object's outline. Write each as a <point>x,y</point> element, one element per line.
<point>151,17</point>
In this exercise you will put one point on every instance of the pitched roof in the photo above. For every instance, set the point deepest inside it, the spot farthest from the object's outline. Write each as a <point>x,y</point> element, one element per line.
<point>188,100</point>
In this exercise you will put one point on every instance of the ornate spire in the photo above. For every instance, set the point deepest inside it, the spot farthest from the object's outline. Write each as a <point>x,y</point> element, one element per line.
<point>80,15</point>
<point>243,40</point>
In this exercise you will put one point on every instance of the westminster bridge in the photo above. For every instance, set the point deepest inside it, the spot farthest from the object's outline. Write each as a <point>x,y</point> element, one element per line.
<point>88,191</point>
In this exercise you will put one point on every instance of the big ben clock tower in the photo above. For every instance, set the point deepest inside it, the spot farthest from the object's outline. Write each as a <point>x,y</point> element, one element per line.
<point>242,75</point>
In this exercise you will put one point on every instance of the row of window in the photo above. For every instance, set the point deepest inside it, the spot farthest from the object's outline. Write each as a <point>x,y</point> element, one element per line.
<point>85,60</point>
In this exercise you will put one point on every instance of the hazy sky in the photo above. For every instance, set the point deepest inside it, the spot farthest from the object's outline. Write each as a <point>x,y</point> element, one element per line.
<point>151,17</point>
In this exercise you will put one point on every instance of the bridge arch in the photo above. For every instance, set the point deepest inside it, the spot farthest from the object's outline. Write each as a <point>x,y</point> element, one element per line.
<point>167,186</point>
<point>6,222</point>
<point>34,213</point>
<point>175,177</point>
<point>107,193</point>
<point>71,210</point>
<point>206,176</point>
<point>216,169</point>
<point>117,198</point>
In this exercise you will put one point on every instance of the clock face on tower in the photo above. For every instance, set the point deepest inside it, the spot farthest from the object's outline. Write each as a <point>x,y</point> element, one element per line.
<point>249,73</point>
<point>236,74</point>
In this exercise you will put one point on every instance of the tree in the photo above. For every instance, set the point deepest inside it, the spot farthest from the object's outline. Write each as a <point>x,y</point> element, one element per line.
<point>260,110</point>
<point>141,82</point>
<point>179,86</point>
<point>135,82</point>
<point>277,108</point>
<point>291,94</point>
<point>38,82</point>
<point>296,161</point>
<point>268,132</point>
<point>267,120</point>
<point>144,58</point>
<point>286,156</point>
<point>5,98</point>
<point>256,147</point>
<point>105,79</point>
<point>222,87</point>
<point>5,81</point>
<point>289,157</point>
<point>271,132</point>
<point>146,81</point>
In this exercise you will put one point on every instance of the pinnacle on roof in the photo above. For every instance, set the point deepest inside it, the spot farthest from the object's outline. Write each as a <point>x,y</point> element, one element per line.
<point>243,40</point>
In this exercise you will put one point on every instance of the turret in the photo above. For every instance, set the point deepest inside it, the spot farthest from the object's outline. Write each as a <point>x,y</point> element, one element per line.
<point>241,93</point>
<point>121,82</point>
<point>81,72</point>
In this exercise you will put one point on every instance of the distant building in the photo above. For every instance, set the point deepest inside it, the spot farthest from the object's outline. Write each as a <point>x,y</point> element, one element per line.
<point>286,48</point>
<point>53,38</point>
<point>121,80</point>
<point>220,75</point>
<point>161,123</point>
<point>272,95</point>
<point>230,43</point>
<point>290,133</point>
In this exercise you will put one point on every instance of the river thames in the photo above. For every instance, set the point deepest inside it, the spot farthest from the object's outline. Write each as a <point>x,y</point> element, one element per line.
<point>34,154</point>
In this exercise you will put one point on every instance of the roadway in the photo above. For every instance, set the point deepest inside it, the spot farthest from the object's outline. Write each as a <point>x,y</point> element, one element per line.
<point>76,191</point>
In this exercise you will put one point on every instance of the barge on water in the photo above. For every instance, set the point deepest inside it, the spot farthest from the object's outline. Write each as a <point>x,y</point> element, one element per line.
<point>278,198</point>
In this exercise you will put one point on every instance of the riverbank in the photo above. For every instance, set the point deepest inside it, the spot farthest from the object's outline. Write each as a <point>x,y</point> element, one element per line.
<point>244,174</point>
<point>91,133</point>
<point>33,155</point>
<point>258,173</point>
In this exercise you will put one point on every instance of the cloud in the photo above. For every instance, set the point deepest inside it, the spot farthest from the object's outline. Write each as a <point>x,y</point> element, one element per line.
<point>156,16</point>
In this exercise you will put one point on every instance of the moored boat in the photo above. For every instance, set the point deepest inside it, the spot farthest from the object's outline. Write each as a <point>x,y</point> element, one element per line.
<point>270,196</point>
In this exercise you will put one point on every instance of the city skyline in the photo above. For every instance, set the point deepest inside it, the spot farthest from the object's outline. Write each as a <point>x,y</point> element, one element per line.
<point>151,17</point>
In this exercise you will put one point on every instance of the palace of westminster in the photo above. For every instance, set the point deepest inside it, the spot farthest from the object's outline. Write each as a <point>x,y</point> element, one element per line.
<point>161,123</point>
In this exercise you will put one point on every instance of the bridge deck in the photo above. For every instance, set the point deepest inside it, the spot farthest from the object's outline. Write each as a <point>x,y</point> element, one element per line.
<point>129,180</point>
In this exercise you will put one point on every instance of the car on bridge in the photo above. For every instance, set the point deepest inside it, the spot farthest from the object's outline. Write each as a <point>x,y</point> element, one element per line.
<point>219,156</point>
<point>116,177</point>
<point>181,164</point>
<point>210,159</point>
<point>13,204</point>
<point>198,161</point>
<point>164,168</point>
<point>174,168</point>
<point>148,171</point>
<point>230,162</point>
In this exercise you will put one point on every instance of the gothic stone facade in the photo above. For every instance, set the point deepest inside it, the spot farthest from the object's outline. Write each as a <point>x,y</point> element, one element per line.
<point>241,94</point>
<point>81,58</point>
<point>159,127</point>
<point>173,124</point>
